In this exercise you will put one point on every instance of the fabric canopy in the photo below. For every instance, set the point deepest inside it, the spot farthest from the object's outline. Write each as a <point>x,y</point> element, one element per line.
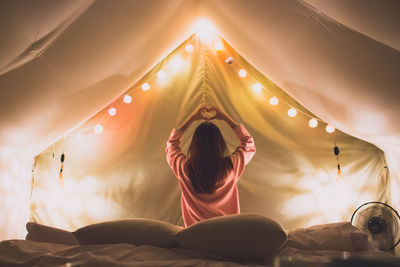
<point>63,62</point>
<point>121,171</point>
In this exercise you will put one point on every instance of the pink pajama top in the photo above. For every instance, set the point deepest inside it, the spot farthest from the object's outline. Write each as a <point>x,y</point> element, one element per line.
<point>225,200</point>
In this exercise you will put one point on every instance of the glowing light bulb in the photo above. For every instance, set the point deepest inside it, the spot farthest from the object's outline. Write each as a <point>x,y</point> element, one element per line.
<point>313,123</point>
<point>112,111</point>
<point>98,128</point>
<point>242,73</point>
<point>292,112</point>
<point>274,101</point>
<point>127,99</point>
<point>189,48</point>
<point>257,87</point>
<point>205,31</point>
<point>329,128</point>
<point>218,46</point>
<point>145,86</point>
<point>161,74</point>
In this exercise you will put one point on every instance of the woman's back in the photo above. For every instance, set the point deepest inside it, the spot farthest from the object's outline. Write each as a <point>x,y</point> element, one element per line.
<point>207,163</point>
<point>223,198</point>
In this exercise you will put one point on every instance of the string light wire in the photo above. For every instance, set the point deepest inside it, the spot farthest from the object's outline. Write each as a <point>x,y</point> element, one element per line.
<point>138,87</point>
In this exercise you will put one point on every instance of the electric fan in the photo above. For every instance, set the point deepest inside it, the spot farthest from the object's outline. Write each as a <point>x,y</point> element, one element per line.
<point>381,222</point>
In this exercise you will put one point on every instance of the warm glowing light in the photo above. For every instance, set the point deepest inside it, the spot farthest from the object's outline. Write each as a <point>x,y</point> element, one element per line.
<point>162,78</point>
<point>313,123</point>
<point>176,64</point>
<point>161,74</point>
<point>205,31</point>
<point>75,199</point>
<point>127,99</point>
<point>322,191</point>
<point>79,136</point>
<point>274,101</point>
<point>242,73</point>
<point>189,48</point>
<point>329,128</point>
<point>112,111</point>
<point>145,86</point>
<point>218,46</point>
<point>98,128</point>
<point>292,112</point>
<point>257,87</point>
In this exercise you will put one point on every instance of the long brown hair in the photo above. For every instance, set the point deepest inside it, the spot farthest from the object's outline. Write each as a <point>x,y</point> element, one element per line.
<point>207,161</point>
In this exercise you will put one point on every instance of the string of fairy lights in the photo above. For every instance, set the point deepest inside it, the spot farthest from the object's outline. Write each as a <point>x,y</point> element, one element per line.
<point>177,63</point>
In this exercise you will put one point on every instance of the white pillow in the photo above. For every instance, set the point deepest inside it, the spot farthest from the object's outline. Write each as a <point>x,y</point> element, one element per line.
<point>239,236</point>
<point>43,233</point>
<point>341,236</point>
<point>133,231</point>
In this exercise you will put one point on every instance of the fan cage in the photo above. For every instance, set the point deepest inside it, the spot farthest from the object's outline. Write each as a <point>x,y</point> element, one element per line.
<point>395,227</point>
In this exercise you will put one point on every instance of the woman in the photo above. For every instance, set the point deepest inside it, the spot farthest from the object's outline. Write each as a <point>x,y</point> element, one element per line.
<point>207,177</point>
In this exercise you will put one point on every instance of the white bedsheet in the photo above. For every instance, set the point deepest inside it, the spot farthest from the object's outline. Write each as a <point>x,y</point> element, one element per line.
<point>326,257</point>
<point>30,253</point>
<point>49,254</point>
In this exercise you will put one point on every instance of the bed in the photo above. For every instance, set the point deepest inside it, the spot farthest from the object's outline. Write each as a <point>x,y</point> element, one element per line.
<point>339,244</point>
<point>32,253</point>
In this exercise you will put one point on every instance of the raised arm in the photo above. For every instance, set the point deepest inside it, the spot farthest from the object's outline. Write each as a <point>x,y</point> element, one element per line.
<point>175,157</point>
<point>198,114</point>
<point>246,150</point>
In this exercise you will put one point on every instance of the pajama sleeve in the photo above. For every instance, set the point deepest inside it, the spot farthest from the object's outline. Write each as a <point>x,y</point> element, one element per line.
<point>244,152</point>
<point>175,157</point>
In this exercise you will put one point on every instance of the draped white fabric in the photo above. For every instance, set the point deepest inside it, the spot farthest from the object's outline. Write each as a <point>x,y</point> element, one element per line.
<point>122,172</point>
<point>61,62</point>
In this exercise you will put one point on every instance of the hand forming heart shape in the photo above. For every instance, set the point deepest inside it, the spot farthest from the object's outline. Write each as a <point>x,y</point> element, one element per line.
<point>208,114</point>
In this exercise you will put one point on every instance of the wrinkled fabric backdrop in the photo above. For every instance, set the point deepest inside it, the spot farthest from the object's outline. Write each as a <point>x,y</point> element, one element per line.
<point>62,62</point>
<point>122,172</point>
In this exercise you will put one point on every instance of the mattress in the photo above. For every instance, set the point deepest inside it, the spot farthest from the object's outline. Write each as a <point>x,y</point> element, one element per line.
<point>31,253</point>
